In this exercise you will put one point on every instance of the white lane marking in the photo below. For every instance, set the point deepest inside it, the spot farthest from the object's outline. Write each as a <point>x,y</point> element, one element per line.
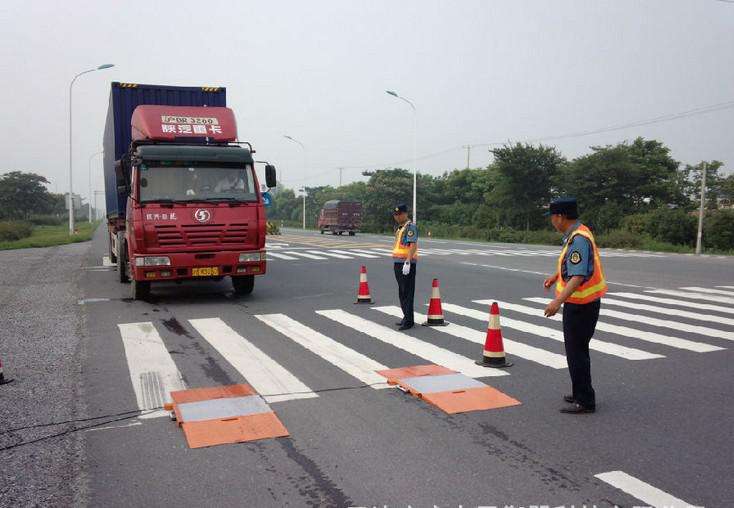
<point>668,311</point>
<point>350,361</point>
<point>281,256</point>
<point>370,252</point>
<point>679,303</point>
<point>691,295</point>
<point>643,491</point>
<point>417,347</point>
<point>384,251</point>
<point>359,254</point>
<point>726,287</point>
<point>534,354</point>
<point>106,261</point>
<point>545,332</point>
<point>270,379</point>
<point>663,323</point>
<point>153,373</point>
<point>93,300</point>
<point>305,255</point>
<point>623,331</point>
<point>113,427</point>
<point>330,254</point>
<point>709,290</point>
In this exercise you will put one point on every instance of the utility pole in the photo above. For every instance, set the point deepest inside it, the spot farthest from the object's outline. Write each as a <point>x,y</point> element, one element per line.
<point>468,155</point>
<point>699,236</point>
<point>340,176</point>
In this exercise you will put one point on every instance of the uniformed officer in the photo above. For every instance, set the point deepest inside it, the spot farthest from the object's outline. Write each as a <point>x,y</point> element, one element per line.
<point>580,284</point>
<point>405,255</point>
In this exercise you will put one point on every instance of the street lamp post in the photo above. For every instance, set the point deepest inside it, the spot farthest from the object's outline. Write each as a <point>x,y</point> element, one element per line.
<point>305,168</point>
<point>95,202</point>
<point>415,160</point>
<point>89,204</point>
<point>71,157</point>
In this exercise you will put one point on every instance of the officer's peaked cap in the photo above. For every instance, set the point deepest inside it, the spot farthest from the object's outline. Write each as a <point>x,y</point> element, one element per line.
<point>401,208</point>
<point>564,206</point>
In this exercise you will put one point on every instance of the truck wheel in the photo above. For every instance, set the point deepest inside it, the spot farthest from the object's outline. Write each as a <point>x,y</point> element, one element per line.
<point>352,233</point>
<point>341,233</point>
<point>122,258</point>
<point>140,289</point>
<point>322,231</point>
<point>243,285</point>
<point>333,232</point>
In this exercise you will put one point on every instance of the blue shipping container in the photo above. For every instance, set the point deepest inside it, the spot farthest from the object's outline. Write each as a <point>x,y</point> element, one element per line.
<point>124,98</point>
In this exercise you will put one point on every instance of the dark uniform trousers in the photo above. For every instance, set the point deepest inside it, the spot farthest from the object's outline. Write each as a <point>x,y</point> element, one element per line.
<point>579,323</point>
<point>406,291</point>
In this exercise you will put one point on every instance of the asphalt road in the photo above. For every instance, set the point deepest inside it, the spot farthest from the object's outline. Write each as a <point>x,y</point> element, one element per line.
<point>662,372</point>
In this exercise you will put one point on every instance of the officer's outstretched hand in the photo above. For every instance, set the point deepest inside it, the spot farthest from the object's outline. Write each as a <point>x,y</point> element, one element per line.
<point>549,281</point>
<point>552,308</point>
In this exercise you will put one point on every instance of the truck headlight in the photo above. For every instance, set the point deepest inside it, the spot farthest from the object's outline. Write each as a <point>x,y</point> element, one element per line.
<point>152,261</point>
<point>252,257</point>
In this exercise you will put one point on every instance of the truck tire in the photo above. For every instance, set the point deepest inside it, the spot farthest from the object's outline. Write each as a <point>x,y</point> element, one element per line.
<point>243,285</point>
<point>322,231</point>
<point>352,233</point>
<point>333,232</point>
<point>122,258</point>
<point>140,289</point>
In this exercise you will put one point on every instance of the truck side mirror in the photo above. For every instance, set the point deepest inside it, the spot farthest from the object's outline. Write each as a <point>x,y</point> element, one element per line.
<point>270,176</point>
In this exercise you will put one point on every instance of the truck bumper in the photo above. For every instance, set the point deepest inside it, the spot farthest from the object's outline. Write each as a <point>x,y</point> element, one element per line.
<point>192,265</point>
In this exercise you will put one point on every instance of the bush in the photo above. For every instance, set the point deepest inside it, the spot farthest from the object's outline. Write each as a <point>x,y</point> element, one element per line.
<point>636,223</point>
<point>621,239</point>
<point>671,226</point>
<point>14,230</point>
<point>718,230</point>
<point>47,220</point>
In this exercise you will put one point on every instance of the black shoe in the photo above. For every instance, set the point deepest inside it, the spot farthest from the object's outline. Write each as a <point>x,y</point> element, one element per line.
<point>406,326</point>
<point>399,323</point>
<point>577,409</point>
<point>569,399</point>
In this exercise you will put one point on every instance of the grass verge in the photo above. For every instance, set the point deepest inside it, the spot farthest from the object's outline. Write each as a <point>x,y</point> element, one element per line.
<point>48,236</point>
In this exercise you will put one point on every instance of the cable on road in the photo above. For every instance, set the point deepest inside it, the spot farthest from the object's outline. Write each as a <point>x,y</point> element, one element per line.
<point>134,413</point>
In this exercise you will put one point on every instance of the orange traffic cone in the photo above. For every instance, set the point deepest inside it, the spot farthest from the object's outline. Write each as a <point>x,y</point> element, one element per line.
<point>3,381</point>
<point>363,295</point>
<point>494,350</point>
<point>435,312</point>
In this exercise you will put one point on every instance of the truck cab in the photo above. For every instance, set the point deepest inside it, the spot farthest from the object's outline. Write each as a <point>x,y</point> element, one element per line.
<point>194,208</point>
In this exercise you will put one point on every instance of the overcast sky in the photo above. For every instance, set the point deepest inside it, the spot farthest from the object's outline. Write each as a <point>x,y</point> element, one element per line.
<point>478,72</point>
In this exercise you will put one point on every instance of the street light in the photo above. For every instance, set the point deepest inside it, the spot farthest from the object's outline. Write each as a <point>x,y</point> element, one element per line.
<point>97,192</point>
<point>71,162</point>
<point>305,167</point>
<point>415,134</point>
<point>90,183</point>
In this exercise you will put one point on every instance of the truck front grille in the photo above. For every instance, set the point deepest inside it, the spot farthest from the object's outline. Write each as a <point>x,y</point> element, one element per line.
<point>168,236</point>
<point>215,234</point>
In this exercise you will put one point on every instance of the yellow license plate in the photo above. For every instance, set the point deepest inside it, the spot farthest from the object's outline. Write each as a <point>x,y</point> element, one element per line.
<point>207,271</point>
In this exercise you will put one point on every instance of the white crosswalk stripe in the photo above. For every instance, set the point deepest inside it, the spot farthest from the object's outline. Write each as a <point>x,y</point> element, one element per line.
<point>663,323</point>
<point>623,331</point>
<point>652,496</point>
<point>153,373</point>
<point>679,303</point>
<point>265,375</point>
<point>358,254</point>
<point>725,287</point>
<point>330,254</point>
<point>534,354</point>
<point>281,256</point>
<point>627,353</point>
<point>305,255</point>
<point>679,313</point>
<point>691,295</point>
<point>350,361</point>
<point>372,252</point>
<point>417,347</point>
<point>384,251</point>
<point>709,290</point>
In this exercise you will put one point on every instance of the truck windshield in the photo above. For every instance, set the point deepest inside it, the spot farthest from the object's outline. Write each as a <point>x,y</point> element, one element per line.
<point>196,183</point>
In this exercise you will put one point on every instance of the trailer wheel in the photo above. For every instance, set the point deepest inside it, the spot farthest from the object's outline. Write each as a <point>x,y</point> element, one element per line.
<point>243,285</point>
<point>333,232</point>
<point>140,289</point>
<point>352,233</point>
<point>122,258</point>
<point>341,233</point>
<point>322,231</point>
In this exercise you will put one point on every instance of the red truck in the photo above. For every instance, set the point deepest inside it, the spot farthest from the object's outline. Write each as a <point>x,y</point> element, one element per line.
<point>340,216</point>
<point>183,199</point>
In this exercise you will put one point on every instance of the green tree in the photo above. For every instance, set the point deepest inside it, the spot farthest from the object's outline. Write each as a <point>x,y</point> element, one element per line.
<point>23,194</point>
<point>520,181</point>
<point>715,183</point>
<point>627,178</point>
